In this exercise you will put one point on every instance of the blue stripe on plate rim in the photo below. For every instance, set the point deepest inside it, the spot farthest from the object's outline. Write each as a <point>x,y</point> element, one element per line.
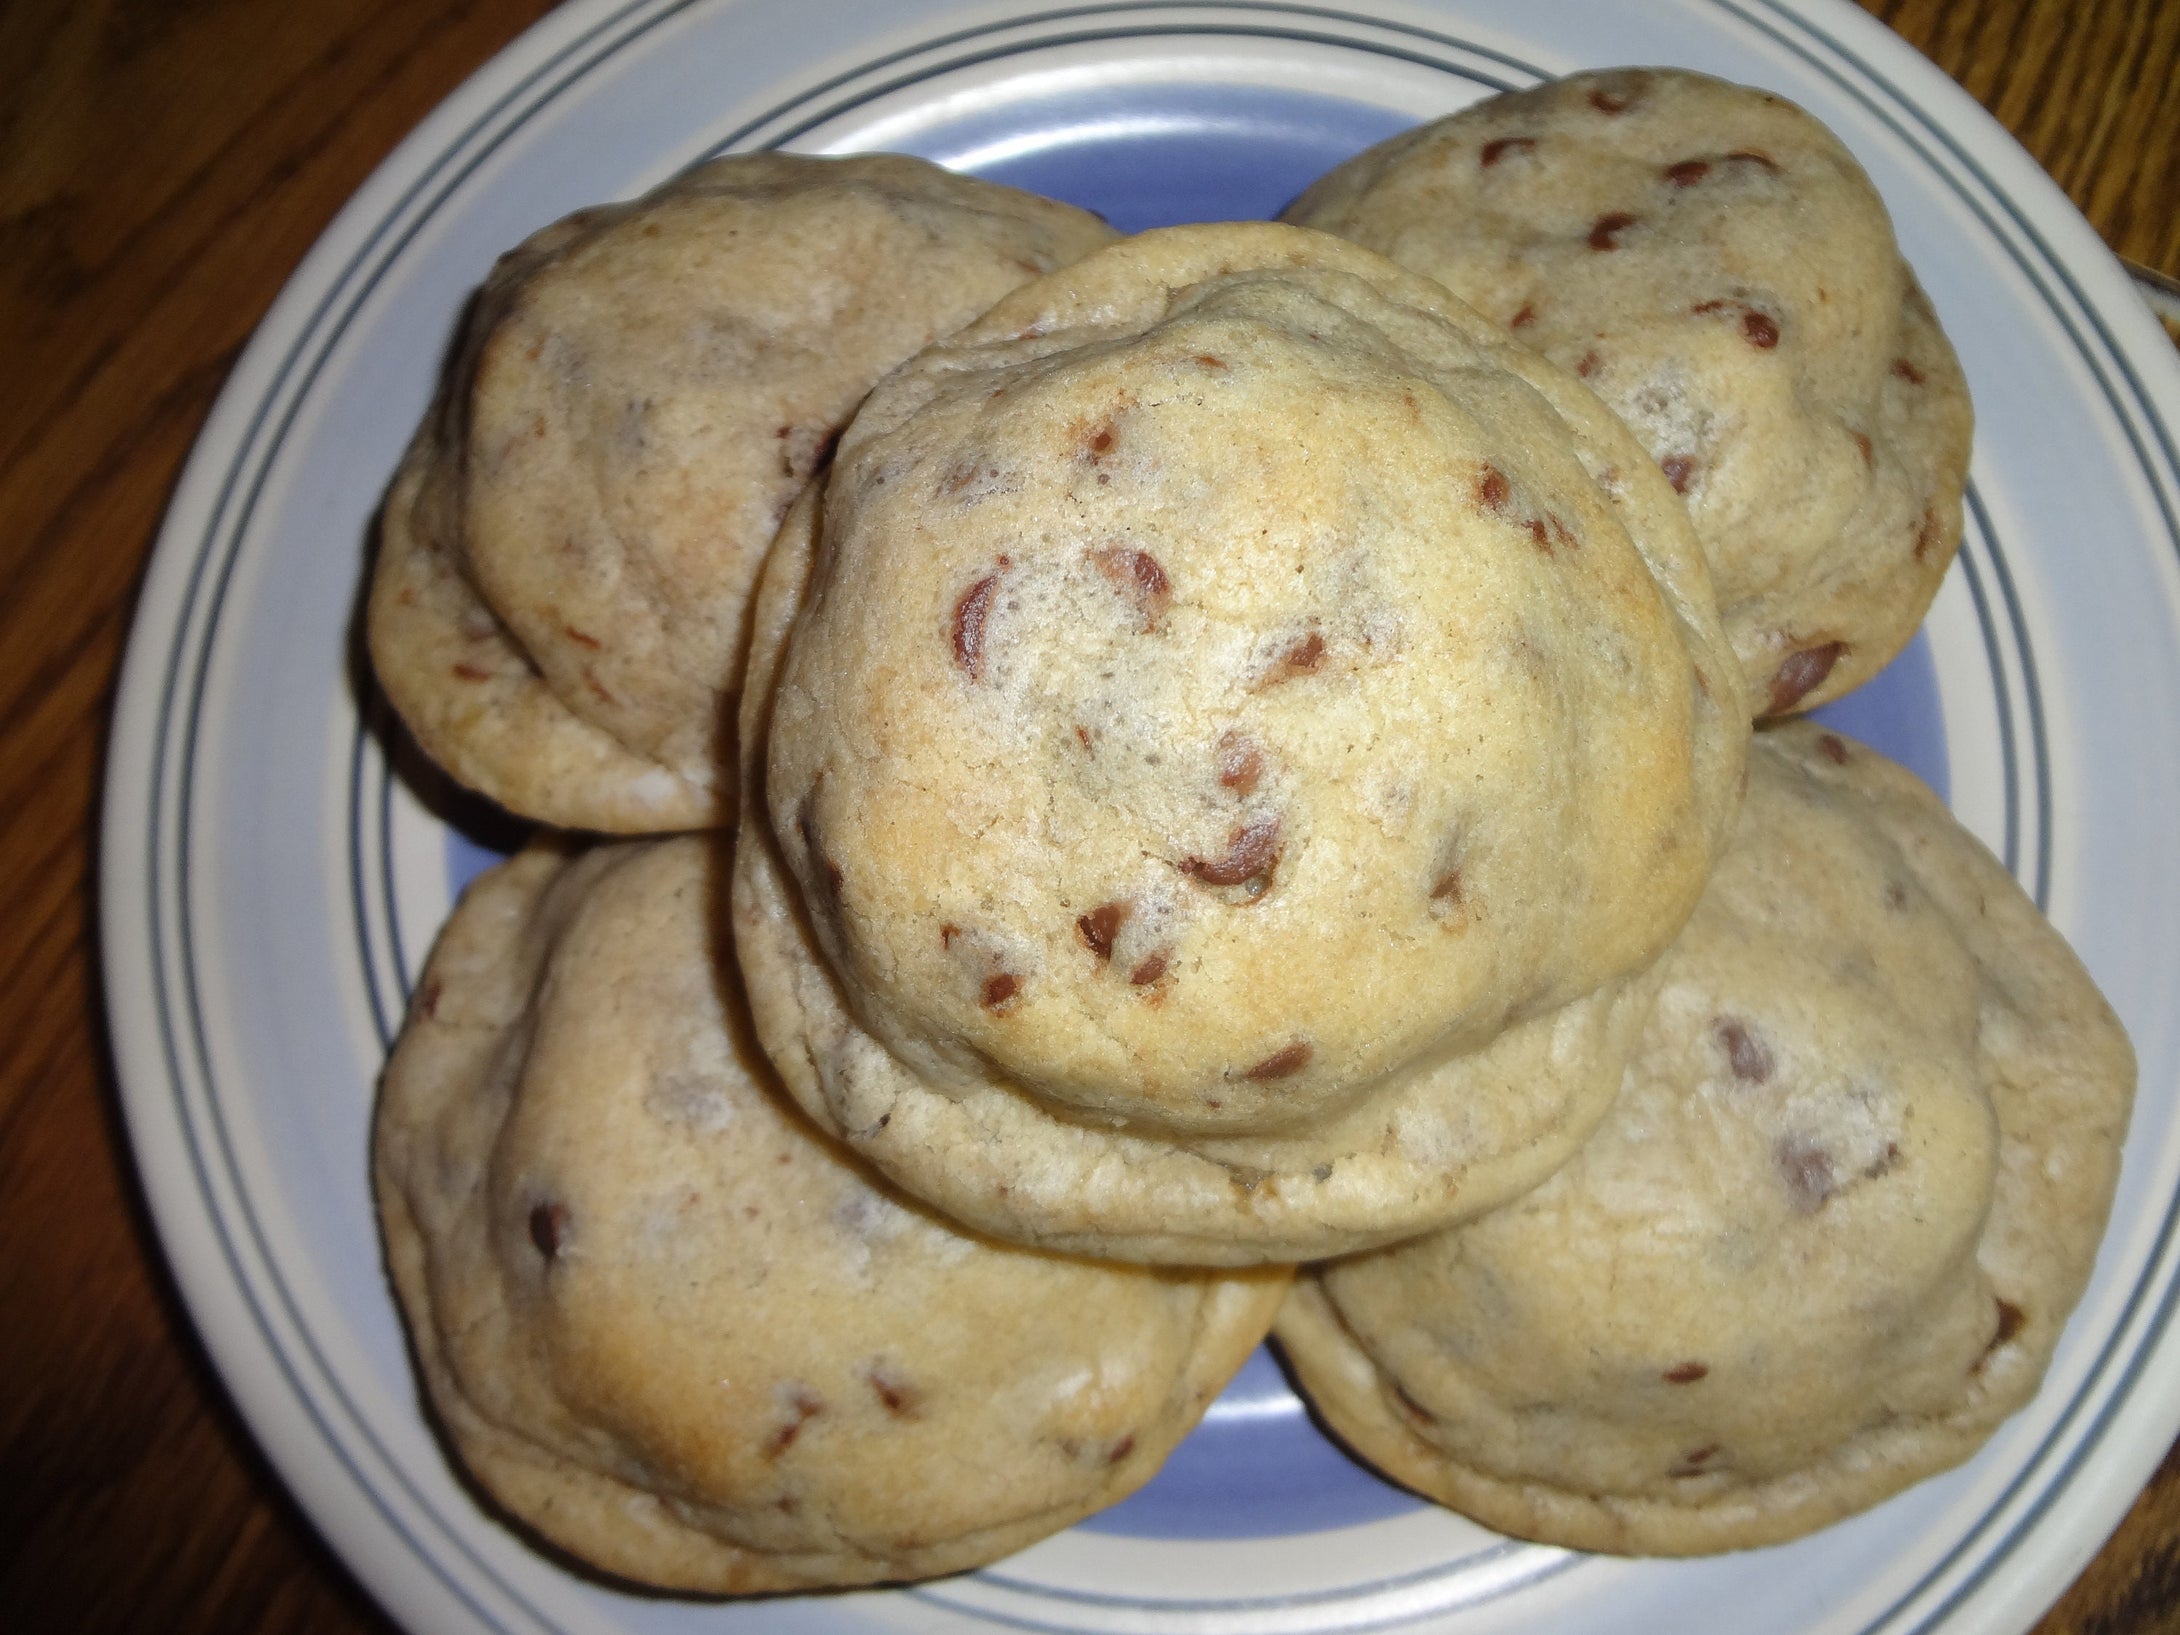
<point>189,1078</point>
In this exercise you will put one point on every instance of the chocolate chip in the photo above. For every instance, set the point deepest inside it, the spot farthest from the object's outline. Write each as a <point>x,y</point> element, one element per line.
<point>1834,748</point>
<point>895,1393</point>
<point>1447,888</point>
<point>1686,1373</point>
<point>1499,147</point>
<point>1863,446</point>
<point>803,1405</point>
<point>1807,1170</point>
<point>1100,926</point>
<point>1210,362</point>
<point>1679,469</point>
<point>1252,853</point>
<point>1802,674</point>
<point>1240,763</point>
<point>1492,489</point>
<point>1524,318</point>
<point>1282,1063</point>
<point>1606,230</point>
<point>470,672</point>
<point>999,990</point>
<point>1121,1449</point>
<point>1693,1461</point>
<point>1760,329</point>
<point>1098,441</point>
<point>1148,969</point>
<point>1687,172</point>
<point>1302,656</point>
<point>1745,1053</point>
<point>548,1228</point>
<point>1139,579</point>
<point>1611,102</point>
<point>947,934</point>
<point>2010,1319</point>
<point>1588,364</point>
<point>1926,533</point>
<point>970,614</point>
<point>1907,371</point>
<point>426,1003</point>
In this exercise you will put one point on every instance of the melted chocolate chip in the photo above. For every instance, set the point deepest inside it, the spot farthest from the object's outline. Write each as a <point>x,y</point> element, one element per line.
<point>1492,489</point>
<point>1210,362</point>
<point>1834,748</point>
<point>1687,172</point>
<point>999,990</point>
<point>1907,371</point>
<point>1240,763</point>
<point>470,672</point>
<point>1121,1449</point>
<point>1499,147</point>
<point>1802,674</point>
<point>582,638</point>
<point>1611,102</point>
<point>970,614</point>
<point>1149,968</point>
<point>1137,576</point>
<point>1282,1063</point>
<point>1100,926</point>
<point>1686,1373</point>
<point>1524,318</point>
<point>1807,1170</point>
<point>803,1406</point>
<point>1745,1053</point>
<point>1252,853</point>
<point>1606,230</point>
<point>896,1394</point>
<point>1302,657</point>
<point>1926,533</point>
<point>2010,1319</point>
<point>1679,470</point>
<point>1692,1462</point>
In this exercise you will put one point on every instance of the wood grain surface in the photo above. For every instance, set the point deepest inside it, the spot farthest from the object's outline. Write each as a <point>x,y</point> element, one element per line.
<point>163,167</point>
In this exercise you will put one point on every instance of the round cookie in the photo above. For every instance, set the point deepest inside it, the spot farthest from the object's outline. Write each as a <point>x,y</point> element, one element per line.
<point>560,600</point>
<point>1246,722</point>
<point>1716,266</point>
<point>1824,1242</point>
<point>683,1336</point>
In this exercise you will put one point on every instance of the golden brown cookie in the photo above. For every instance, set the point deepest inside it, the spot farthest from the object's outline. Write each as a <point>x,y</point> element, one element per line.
<point>561,595</point>
<point>1825,1240</point>
<point>1718,268</point>
<point>1248,721</point>
<point>690,1340</point>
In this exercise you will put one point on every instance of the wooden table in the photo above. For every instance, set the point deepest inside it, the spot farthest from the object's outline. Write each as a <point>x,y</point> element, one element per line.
<point>163,166</point>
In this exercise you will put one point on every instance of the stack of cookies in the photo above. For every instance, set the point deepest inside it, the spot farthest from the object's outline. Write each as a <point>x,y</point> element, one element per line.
<point>1209,753</point>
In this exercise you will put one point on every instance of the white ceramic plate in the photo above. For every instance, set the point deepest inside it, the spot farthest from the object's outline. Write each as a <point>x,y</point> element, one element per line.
<point>271,884</point>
